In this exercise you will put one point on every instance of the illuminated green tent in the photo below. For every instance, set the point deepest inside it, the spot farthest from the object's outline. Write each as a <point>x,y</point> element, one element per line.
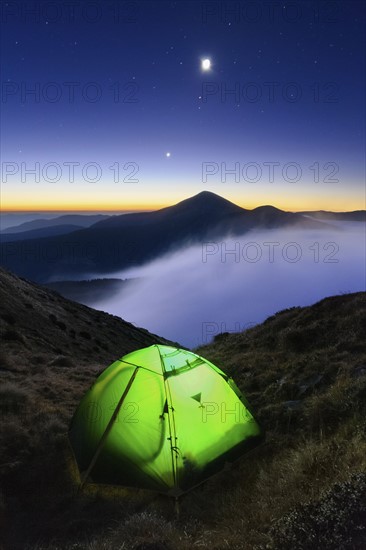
<point>160,418</point>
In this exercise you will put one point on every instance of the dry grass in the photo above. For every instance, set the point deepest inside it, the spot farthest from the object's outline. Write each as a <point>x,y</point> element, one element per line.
<point>304,372</point>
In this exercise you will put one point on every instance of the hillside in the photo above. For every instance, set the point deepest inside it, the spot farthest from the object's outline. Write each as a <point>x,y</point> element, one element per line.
<point>35,320</point>
<point>119,242</point>
<point>89,292</point>
<point>51,231</point>
<point>78,220</point>
<point>324,215</point>
<point>304,372</point>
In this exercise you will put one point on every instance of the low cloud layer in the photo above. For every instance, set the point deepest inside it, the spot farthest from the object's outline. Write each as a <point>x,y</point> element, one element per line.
<point>231,284</point>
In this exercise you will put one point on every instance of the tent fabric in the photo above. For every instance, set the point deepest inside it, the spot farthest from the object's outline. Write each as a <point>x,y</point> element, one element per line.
<point>161,418</point>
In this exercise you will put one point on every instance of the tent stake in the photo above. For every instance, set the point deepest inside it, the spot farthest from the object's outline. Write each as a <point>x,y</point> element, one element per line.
<point>177,508</point>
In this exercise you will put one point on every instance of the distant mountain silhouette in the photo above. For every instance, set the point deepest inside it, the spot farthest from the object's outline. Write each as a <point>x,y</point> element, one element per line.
<point>126,240</point>
<point>79,220</point>
<point>51,231</point>
<point>198,211</point>
<point>355,216</point>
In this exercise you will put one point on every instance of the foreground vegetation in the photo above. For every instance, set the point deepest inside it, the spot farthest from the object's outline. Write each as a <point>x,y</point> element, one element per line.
<point>304,373</point>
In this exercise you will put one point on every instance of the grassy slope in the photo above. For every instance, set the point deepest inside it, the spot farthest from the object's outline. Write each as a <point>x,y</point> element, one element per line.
<point>304,372</point>
<point>51,351</point>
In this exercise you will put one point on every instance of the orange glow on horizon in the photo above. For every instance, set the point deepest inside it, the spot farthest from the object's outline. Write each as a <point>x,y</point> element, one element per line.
<point>336,204</point>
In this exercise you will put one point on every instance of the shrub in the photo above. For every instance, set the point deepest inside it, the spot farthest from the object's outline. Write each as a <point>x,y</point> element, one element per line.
<point>13,399</point>
<point>221,336</point>
<point>8,318</point>
<point>13,336</point>
<point>14,442</point>
<point>62,361</point>
<point>38,359</point>
<point>335,522</point>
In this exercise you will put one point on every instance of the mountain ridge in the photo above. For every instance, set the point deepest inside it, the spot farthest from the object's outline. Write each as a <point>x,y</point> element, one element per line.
<point>39,233</point>
<point>82,220</point>
<point>204,201</point>
<point>37,318</point>
<point>132,239</point>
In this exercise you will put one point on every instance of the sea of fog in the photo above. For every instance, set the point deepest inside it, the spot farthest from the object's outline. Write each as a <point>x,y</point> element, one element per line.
<point>196,292</point>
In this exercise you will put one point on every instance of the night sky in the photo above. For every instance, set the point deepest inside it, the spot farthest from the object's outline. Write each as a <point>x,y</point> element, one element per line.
<point>122,84</point>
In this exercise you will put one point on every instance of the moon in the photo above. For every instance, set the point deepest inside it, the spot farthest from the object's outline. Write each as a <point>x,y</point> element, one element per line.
<point>168,154</point>
<point>206,64</point>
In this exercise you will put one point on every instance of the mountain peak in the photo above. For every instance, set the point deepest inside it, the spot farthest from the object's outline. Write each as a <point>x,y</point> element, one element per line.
<point>207,201</point>
<point>207,194</point>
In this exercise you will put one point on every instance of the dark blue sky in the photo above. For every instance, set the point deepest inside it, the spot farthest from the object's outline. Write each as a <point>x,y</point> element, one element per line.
<point>121,83</point>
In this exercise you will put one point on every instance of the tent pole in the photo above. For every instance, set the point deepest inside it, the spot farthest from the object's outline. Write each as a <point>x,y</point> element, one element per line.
<point>108,429</point>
